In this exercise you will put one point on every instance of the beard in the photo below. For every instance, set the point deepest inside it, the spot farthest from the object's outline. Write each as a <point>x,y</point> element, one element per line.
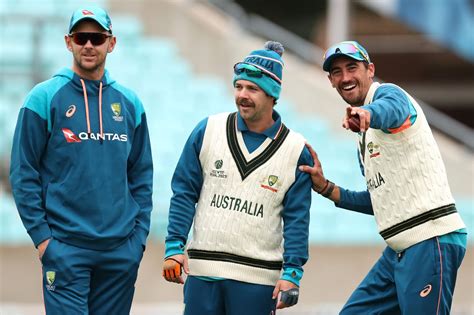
<point>86,66</point>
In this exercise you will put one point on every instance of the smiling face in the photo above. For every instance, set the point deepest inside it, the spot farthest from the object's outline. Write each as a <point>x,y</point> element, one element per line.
<point>352,79</point>
<point>89,60</point>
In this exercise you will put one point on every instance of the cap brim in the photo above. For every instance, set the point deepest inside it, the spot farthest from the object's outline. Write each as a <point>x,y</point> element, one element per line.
<point>327,63</point>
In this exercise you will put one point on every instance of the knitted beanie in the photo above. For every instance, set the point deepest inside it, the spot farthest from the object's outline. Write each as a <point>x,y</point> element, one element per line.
<point>269,61</point>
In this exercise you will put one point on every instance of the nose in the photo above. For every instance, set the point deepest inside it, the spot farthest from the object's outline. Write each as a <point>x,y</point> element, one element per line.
<point>346,76</point>
<point>88,44</point>
<point>242,93</point>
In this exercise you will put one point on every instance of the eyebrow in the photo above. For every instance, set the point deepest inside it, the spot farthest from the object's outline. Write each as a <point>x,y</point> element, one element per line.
<point>351,63</point>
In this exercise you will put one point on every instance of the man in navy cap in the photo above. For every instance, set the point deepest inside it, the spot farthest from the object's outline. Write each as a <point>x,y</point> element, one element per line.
<point>407,192</point>
<point>81,174</point>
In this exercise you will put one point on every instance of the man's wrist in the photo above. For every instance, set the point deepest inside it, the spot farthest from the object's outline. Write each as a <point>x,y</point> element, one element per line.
<point>319,190</point>
<point>327,190</point>
<point>292,275</point>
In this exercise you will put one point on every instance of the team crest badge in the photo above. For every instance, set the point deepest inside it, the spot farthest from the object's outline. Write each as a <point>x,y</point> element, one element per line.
<point>50,278</point>
<point>374,149</point>
<point>117,110</point>
<point>270,183</point>
<point>272,180</point>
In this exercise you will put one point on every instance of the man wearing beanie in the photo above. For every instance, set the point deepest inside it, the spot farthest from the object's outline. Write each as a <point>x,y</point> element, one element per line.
<point>407,192</point>
<point>81,175</point>
<point>238,180</point>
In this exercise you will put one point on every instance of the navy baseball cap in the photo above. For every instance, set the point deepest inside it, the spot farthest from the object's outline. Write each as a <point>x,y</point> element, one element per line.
<point>351,49</point>
<point>96,14</point>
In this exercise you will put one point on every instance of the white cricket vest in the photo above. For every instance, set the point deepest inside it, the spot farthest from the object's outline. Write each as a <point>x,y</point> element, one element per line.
<point>237,232</point>
<point>407,182</point>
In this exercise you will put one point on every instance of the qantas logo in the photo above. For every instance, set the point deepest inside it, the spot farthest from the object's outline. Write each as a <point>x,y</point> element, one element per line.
<point>71,137</point>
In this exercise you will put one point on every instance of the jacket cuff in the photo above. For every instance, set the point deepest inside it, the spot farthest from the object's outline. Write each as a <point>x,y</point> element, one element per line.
<point>173,248</point>
<point>141,234</point>
<point>292,275</point>
<point>40,233</point>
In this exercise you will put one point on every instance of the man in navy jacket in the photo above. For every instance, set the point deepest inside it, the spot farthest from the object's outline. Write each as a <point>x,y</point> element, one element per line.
<point>81,174</point>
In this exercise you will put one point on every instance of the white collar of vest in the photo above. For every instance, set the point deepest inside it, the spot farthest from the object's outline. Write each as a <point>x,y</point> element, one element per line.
<point>371,92</point>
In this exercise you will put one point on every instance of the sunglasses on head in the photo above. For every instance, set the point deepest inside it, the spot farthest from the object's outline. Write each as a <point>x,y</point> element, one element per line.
<point>81,38</point>
<point>348,49</point>
<point>253,71</point>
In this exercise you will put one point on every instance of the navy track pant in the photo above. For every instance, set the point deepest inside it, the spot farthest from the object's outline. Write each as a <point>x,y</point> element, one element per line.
<point>84,281</point>
<point>419,280</point>
<point>227,297</point>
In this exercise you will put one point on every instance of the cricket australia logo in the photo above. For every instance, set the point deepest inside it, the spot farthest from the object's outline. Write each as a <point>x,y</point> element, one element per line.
<point>218,172</point>
<point>50,278</point>
<point>270,183</point>
<point>117,110</point>
<point>374,149</point>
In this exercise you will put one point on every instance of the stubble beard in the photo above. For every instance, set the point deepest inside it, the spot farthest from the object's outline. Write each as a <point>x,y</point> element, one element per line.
<point>87,67</point>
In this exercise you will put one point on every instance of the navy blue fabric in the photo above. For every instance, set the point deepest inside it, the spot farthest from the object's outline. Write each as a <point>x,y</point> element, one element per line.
<point>227,297</point>
<point>419,280</point>
<point>88,281</point>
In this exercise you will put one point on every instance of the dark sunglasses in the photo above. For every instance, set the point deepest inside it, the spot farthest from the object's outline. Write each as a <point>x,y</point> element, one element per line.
<point>253,71</point>
<point>81,38</point>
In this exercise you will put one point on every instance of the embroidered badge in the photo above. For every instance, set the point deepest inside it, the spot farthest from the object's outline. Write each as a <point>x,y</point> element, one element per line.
<point>50,278</point>
<point>218,172</point>
<point>270,183</point>
<point>117,111</point>
<point>374,149</point>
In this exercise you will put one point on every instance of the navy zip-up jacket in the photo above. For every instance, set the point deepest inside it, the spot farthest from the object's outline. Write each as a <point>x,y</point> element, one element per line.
<point>81,165</point>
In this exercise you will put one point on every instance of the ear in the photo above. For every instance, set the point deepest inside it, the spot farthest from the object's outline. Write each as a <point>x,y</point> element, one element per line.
<point>371,69</point>
<point>330,80</point>
<point>113,41</point>
<point>67,40</point>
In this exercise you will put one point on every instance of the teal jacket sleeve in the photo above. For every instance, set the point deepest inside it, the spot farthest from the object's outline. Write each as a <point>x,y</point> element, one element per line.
<point>29,144</point>
<point>186,186</point>
<point>140,176</point>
